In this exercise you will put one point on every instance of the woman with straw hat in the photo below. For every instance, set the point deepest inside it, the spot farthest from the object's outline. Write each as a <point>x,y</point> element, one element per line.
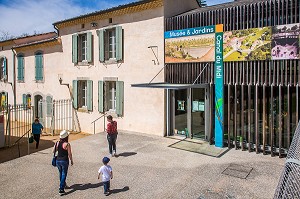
<point>63,148</point>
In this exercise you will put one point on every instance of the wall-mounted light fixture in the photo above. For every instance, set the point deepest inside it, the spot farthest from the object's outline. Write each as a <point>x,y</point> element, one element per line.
<point>94,24</point>
<point>61,80</point>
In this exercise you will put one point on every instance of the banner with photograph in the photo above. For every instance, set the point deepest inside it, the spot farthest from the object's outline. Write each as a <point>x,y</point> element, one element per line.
<point>248,44</point>
<point>267,43</point>
<point>285,41</point>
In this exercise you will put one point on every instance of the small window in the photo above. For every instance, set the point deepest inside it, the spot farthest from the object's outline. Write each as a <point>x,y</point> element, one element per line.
<point>110,20</point>
<point>3,69</point>
<point>111,96</point>
<point>111,44</point>
<point>27,101</point>
<point>3,100</point>
<point>82,48</point>
<point>110,93</point>
<point>82,25</point>
<point>83,94</point>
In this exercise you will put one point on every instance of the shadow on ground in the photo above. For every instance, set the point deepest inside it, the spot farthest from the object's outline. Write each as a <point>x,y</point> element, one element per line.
<point>126,154</point>
<point>81,187</point>
<point>10,153</point>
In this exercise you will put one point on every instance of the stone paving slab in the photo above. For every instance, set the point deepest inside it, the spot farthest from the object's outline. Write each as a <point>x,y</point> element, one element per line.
<point>146,168</point>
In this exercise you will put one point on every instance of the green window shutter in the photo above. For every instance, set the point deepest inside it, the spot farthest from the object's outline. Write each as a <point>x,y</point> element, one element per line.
<point>120,97</point>
<point>22,68</point>
<point>24,99</point>
<point>49,105</point>
<point>100,96</point>
<point>75,95</point>
<point>101,45</point>
<point>74,48</point>
<point>39,67</point>
<point>89,47</point>
<point>19,68</point>
<point>90,95</point>
<point>119,43</point>
<point>5,68</point>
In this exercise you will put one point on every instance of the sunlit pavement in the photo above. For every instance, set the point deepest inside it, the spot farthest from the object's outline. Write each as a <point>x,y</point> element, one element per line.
<point>145,168</point>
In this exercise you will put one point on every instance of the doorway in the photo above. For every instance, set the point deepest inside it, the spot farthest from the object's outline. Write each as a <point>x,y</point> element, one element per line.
<point>190,113</point>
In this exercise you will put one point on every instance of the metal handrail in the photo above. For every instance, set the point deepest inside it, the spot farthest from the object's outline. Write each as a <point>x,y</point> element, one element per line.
<point>18,141</point>
<point>97,120</point>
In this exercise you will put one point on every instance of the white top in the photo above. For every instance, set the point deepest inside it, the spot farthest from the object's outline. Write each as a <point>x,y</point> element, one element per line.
<point>105,170</point>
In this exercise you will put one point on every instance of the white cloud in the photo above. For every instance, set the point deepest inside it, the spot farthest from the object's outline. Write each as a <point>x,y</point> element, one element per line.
<point>29,16</point>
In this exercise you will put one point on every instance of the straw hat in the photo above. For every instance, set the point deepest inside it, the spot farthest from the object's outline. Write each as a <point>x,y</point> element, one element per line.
<point>64,134</point>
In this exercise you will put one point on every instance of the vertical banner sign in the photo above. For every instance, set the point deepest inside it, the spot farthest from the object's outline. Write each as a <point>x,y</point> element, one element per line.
<point>219,85</point>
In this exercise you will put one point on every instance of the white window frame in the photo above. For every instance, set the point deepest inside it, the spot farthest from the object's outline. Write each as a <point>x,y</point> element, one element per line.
<point>110,93</point>
<point>2,75</point>
<point>82,94</point>
<point>110,44</point>
<point>82,47</point>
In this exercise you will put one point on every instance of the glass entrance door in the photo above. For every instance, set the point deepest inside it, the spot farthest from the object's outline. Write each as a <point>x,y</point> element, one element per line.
<point>181,113</point>
<point>198,113</point>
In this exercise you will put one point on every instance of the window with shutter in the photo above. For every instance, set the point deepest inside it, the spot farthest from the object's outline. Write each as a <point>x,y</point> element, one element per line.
<point>111,97</point>
<point>20,69</point>
<point>3,100</point>
<point>39,67</point>
<point>49,105</point>
<point>82,49</point>
<point>3,72</point>
<point>110,44</point>
<point>83,94</point>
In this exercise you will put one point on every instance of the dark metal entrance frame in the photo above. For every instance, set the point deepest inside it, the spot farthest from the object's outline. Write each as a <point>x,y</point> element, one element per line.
<point>261,97</point>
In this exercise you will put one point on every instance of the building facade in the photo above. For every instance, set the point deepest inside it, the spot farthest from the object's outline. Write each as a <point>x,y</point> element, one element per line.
<point>261,91</point>
<point>93,60</point>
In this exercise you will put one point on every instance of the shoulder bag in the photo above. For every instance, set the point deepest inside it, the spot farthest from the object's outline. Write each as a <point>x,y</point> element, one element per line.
<point>54,156</point>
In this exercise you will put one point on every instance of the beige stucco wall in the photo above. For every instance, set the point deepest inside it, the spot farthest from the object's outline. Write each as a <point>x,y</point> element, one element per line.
<point>5,86</point>
<point>143,107</point>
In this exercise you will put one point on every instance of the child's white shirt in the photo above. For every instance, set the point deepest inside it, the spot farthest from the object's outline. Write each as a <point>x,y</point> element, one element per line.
<point>105,170</point>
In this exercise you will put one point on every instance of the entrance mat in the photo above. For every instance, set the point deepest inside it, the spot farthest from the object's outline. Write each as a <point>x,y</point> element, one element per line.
<point>238,171</point>
<point>200,147</point>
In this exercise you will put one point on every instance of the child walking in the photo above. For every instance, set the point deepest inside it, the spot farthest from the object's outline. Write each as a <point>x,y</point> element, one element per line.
<point>107,174</point>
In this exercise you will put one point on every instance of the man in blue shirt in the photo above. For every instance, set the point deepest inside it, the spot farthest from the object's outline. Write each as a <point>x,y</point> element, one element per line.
<point>37,129</point>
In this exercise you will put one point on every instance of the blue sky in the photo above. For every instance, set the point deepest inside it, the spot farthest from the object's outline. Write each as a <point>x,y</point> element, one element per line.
<point>37,16</point>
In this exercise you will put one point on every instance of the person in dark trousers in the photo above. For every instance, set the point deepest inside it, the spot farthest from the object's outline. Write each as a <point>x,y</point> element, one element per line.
<point>37,129</point>
<point>112,133</point>
<point>107,174</point>
<point>63,148</point>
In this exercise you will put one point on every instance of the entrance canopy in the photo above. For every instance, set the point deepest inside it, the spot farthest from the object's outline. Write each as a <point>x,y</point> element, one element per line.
<point>167,85</point>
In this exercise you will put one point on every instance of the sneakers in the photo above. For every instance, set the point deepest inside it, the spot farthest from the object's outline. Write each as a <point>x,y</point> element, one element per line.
<point>106,193</point>
<point>115,153</point>
<point>61,192</point>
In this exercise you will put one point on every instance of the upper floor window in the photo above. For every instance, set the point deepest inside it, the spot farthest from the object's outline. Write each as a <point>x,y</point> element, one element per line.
<point>83,94</point>
<point>110,44</point>
<point>3,69</point>
<point>82,48</point>
<point>20,59</point>
<point>39,68</point>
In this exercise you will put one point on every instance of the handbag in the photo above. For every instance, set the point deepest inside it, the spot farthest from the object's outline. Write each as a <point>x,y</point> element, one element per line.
<point>54,156</point>
<point>30,139</point>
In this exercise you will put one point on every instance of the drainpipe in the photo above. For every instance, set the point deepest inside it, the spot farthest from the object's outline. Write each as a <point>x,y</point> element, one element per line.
<point>14,77</point>
<point>57,30</point>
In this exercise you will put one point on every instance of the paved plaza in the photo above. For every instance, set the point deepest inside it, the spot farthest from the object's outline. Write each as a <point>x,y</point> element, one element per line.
<point>145,168</point>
